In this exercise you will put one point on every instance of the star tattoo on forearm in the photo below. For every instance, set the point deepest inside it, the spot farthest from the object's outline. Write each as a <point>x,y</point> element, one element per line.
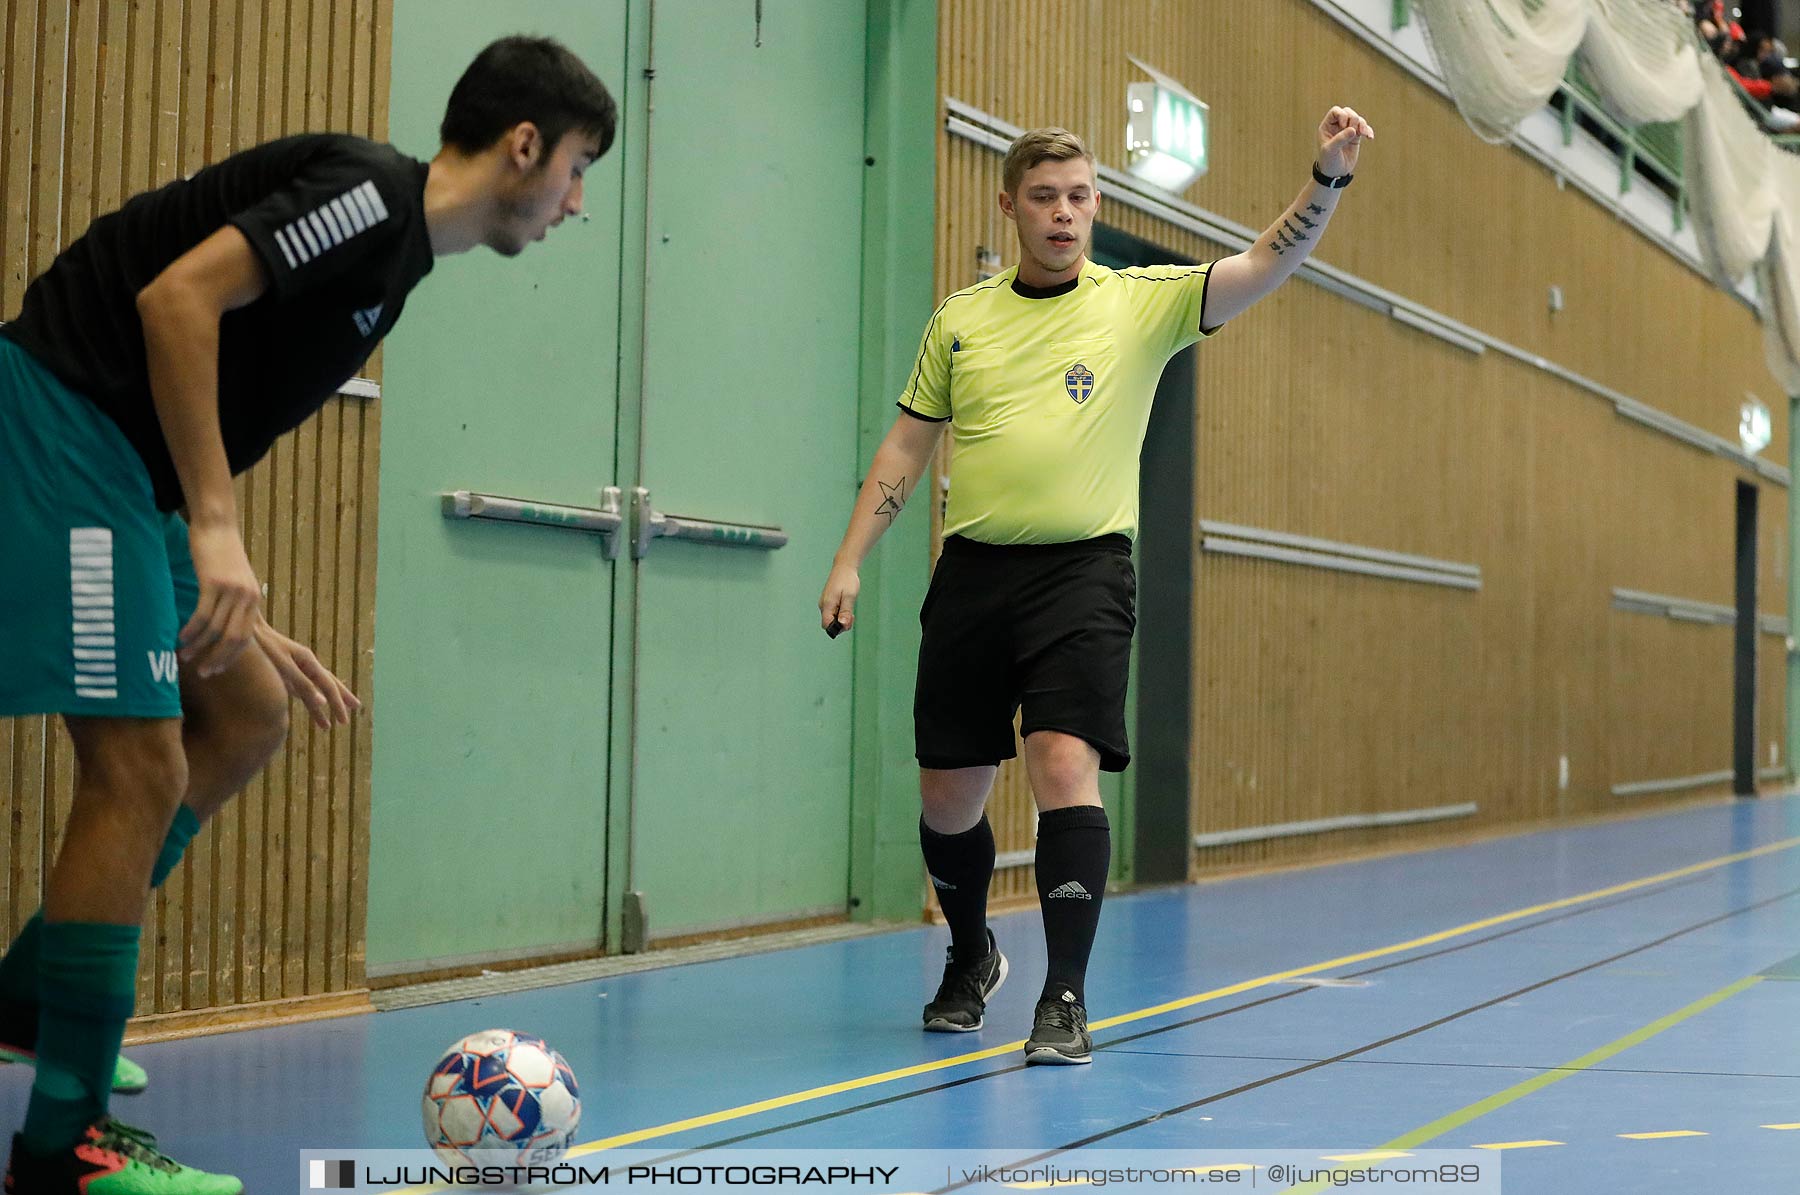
<point>893,499</point>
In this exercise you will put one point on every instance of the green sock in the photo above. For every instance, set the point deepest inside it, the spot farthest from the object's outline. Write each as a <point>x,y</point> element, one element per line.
<point>87,979</point>
<point>18,969</point>
<point>181,832</point>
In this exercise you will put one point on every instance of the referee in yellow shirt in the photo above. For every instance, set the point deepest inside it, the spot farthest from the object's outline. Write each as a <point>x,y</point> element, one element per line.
<point>1045,374</point>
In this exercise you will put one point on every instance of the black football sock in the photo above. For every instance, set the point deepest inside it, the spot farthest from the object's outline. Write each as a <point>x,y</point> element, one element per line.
<point>1074,851</point>
<point>960,867</point>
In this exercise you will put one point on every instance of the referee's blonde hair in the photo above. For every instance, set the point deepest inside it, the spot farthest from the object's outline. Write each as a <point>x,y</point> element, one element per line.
<point>1041,145</point>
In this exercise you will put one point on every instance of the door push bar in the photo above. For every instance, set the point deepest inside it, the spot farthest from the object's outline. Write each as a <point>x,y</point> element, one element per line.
<point>648,523</point>
<point>608,521</point>
<point>605,520</point>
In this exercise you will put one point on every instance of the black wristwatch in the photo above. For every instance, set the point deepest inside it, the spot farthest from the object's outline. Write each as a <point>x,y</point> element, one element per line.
<point>1325,180</point>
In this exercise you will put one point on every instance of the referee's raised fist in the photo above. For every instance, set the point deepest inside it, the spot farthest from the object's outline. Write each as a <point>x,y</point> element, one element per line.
<point>1341,135</point>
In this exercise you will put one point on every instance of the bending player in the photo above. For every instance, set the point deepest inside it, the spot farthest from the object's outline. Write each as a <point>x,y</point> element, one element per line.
<point>161,353</point>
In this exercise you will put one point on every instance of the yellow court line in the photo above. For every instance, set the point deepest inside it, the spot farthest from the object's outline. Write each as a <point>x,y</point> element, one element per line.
<point>1445,935</point>
<point>1373,1155</point>
<point>1782,1126</point>
<point>1538,1082</point>
<point>1660,1136</point>
<point>1500,1145</point>
<point>815,1093</point>
<point>1595,1057</point>
<point>774,1103</point>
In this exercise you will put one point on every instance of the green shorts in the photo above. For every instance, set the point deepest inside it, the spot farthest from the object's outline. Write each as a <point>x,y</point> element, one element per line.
<point>98,582</point>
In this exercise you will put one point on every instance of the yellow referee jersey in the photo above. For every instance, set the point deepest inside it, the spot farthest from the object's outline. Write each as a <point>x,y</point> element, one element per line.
<point>1048,398</point>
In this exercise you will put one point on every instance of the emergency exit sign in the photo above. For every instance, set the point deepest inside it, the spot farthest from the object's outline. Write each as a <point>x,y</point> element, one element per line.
<point>1166,135</point>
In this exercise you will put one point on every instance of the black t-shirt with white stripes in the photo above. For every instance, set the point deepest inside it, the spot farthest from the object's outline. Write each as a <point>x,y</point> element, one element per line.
<point>339,223</point>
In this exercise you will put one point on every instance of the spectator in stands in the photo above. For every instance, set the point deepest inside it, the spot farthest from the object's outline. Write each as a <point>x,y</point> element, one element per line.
<point>1766,54</point>
<point>1744,57</point>
<point>1720,37</point>
<point>1756,62</point>
<point>1783,87</point>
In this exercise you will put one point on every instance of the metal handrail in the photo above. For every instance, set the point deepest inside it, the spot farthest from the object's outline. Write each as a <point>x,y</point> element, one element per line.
<point>1658,147</point>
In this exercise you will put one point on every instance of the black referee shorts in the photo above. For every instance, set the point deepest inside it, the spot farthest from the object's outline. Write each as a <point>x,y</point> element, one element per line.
<point>1046,627</point>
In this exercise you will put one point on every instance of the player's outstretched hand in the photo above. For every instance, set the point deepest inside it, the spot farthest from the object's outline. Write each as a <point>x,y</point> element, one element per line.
<point>837,605</point>
<point>309,682</point>
<point>230,600</point>
<point>1341,135</point>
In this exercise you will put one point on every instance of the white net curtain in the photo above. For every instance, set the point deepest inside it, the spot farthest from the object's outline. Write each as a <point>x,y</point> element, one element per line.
<point>1503,59</point>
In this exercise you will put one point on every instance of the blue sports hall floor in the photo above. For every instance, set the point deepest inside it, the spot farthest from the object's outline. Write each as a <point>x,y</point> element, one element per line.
<point>1611,1007</point>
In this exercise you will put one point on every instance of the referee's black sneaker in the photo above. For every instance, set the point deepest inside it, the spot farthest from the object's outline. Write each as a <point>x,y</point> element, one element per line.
<point>963,995</point>
<point>1059,1032</point>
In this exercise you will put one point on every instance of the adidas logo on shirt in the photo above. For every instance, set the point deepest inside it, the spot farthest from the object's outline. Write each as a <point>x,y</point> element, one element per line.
<point>1069,891</point>
<point>367,319</point>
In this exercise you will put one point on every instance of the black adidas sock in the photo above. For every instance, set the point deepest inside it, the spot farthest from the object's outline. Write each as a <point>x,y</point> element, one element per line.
<point>1074,850</point>
<point>960,866</point>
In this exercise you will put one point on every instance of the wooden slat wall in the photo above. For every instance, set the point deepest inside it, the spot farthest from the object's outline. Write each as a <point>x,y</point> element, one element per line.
<point>1671,698</point>
<point>1321,693</point>
<point>101,99</point>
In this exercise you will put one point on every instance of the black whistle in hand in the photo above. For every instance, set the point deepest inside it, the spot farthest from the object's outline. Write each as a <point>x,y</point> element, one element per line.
<point>835,629</point>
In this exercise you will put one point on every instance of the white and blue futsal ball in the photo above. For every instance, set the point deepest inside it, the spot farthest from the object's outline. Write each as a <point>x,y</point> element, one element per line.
<point>500,1097</point>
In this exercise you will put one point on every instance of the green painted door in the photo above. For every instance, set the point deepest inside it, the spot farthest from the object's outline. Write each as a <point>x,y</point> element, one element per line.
<point>493,674</point>
<point>741,794</point>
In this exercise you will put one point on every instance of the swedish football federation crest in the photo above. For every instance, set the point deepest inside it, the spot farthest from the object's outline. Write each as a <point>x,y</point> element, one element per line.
<point>1079,382</point>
